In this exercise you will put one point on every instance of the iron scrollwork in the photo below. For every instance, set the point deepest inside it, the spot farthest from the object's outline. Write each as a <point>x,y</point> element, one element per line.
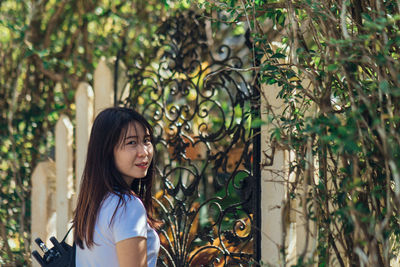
<point>201,108</point>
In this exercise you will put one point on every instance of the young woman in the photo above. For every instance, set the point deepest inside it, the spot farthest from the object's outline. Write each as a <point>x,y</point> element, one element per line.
<point>113,222</point>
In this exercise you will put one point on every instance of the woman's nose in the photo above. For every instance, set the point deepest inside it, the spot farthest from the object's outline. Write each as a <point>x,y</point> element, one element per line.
<point>143,150</point>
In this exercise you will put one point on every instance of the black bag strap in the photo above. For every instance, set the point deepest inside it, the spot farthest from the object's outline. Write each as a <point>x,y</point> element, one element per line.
<point>65,237</point>
<point>73,254</point>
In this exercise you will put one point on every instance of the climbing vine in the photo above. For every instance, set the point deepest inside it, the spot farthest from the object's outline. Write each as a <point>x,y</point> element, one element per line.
<point>336,64</point>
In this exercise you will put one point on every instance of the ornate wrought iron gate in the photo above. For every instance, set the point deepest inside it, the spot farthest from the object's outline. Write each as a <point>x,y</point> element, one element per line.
<point>201,107</point>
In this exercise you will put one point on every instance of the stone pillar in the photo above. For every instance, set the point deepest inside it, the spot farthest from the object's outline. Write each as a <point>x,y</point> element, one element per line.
<point>275,211</point>
<point>306,229</point>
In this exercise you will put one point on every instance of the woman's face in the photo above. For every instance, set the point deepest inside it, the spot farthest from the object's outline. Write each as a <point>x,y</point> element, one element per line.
<point>134,153</point>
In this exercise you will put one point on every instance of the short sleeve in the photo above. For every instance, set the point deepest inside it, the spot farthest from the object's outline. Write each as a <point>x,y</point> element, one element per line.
<point>130,220</point>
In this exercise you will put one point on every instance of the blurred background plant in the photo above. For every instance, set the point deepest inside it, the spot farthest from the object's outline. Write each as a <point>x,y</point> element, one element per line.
<point>46,48</point>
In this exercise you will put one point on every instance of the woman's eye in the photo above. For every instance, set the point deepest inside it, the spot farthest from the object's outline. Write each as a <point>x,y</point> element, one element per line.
<point>131,143</point>
<point>147,141</point>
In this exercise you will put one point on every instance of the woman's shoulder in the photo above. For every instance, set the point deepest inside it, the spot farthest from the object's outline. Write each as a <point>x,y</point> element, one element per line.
<point>123,215</point>
<point>128,201</point>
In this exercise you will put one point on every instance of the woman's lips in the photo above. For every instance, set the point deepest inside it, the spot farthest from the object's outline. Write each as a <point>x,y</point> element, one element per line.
<point>143,165</point>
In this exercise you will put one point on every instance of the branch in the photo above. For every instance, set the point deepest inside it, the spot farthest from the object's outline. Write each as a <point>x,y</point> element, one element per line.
<point>56,77</point>
<point>343,25</point>
<point>277,5</point>
<point>52,24</point>
<point>262,10</point>
<point>68,49</point>
<point>229,69</point>
<point>34,33</point>
<point>3,234</point>
<point>15,166</point>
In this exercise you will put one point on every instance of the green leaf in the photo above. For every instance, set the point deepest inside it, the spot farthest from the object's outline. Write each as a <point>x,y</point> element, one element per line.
<point>269,67</point>
<point>333,67</point>
<point>384,86</point>
<point>278,55</point>
<point>257,122</point>
<point>276,134</point>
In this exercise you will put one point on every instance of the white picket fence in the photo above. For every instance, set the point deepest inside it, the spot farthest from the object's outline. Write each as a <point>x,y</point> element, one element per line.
<point>54,188</point>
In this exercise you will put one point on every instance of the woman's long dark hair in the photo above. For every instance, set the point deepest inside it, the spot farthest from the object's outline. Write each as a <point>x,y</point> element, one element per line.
<point>101,177</point>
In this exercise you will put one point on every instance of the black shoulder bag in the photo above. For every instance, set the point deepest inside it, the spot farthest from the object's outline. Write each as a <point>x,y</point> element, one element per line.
<point>61,255</point>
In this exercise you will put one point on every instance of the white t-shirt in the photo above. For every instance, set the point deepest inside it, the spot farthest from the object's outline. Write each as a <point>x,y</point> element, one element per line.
<point>129,221</point>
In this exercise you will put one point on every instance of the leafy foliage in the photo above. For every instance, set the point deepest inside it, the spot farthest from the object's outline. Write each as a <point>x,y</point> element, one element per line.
<point>336,64</point>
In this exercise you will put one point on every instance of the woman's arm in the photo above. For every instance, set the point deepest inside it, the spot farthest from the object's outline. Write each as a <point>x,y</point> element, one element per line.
<point>132,252</point>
